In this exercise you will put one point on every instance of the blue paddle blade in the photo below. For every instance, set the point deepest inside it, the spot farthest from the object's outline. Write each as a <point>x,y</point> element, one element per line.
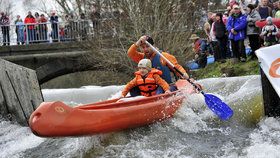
<point>218,106</point>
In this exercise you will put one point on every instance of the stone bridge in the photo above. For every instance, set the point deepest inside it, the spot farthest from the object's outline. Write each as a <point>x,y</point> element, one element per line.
<point>49,60</point>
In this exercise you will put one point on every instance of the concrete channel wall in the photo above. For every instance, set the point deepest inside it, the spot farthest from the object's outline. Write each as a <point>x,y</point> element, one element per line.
<point>20,92</point>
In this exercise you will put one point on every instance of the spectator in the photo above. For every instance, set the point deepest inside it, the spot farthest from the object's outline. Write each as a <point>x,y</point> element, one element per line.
<point>20,31</point>
<point>264,10</point>
<point>225,18</point>
<point>208,24</point>
<point>269,32</point>
<point>277,14</point>
<point>254,2</point>
<point>83,26</point>
<point>236,28</point>
<point>43,28</point>
<point>67,27</point>
<point>37,31</point>
<point>73,26</point>
<point>214,44</point>
<point>243,6</point>
<point>61,33</point>
<point>226,15</point>
<point>208,29</point>
<point>220,33</point>
<point>275,8</point>
<point>5,27</point>
<point>232,2</point>
<point>95,17</point>
<point>252,30</point>
<point>30,21</point>
<point>16,30</point>
<point>54,26</point>
<point>200,50</point>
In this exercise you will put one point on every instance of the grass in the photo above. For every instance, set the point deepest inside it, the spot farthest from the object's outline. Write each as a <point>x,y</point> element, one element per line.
<point>227,69</point>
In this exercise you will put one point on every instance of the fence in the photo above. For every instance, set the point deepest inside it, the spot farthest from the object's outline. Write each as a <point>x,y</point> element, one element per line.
<point>45,32</point>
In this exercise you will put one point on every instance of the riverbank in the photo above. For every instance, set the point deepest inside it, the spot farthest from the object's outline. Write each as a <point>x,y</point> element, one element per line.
<point>228,69</point>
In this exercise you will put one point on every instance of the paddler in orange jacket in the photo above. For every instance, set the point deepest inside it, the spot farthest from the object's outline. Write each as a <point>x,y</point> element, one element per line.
<point>169,74</point>
<point>147,79</point>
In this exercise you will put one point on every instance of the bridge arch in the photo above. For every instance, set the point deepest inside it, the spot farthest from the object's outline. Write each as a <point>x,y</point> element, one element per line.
<point>61,67</point>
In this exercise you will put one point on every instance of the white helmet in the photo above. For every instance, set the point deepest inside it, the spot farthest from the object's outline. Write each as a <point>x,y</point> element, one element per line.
<point>146,63</point>
<point>269,20</point>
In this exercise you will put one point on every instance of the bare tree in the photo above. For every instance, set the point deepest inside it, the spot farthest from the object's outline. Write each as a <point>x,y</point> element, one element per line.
<point>40,5</point>
<point>6,7</point>
<point>169,22</point>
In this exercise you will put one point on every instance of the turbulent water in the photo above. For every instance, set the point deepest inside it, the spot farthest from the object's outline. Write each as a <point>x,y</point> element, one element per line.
<point>194,132</point>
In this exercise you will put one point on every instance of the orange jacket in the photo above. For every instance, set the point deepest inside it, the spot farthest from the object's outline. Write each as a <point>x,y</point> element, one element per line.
<point>137,56</point>
<point>147,85</point>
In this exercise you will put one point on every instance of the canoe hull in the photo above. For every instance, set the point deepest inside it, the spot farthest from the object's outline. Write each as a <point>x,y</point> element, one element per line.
<point>262,23</point>
<point>55,119</point>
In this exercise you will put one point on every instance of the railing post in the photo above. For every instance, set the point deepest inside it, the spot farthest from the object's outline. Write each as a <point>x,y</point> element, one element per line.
<point>58,31</point>
<point>27,35</point>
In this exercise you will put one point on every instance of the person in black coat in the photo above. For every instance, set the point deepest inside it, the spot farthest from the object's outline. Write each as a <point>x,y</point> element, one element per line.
<point>221,36</point>
<point>54,26</point>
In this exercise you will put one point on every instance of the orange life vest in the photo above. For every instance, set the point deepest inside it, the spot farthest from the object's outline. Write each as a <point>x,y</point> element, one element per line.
<point>147,85</point>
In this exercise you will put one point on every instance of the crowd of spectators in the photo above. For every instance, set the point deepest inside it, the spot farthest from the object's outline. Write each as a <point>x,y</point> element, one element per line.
<point>227,31</point>
<point>38,28</point>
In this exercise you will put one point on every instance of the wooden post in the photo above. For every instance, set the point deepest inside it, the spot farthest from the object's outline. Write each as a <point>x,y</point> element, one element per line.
<point>20,92</point>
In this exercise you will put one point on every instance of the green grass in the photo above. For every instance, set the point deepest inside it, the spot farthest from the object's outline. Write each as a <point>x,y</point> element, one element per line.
<point>227,69</point>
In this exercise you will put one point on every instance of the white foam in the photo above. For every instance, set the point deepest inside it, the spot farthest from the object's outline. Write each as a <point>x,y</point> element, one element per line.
<point>84,95</point>
<point>265,141</point>
<point>16,140</point>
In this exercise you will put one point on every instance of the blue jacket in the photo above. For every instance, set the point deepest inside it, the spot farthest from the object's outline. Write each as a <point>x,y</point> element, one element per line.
<point>166,73</point>
<point>239,24</point>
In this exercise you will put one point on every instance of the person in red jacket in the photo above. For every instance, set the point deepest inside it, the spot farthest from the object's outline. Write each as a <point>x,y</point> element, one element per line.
<point>29,21</point>
<point>43,28</point>
<point>147,79</point>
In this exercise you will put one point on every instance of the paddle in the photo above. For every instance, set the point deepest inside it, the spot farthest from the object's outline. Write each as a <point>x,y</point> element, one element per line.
<point>220,108</point>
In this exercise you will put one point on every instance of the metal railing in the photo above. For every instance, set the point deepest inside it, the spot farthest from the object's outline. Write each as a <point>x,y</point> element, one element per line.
<point>20,33</point>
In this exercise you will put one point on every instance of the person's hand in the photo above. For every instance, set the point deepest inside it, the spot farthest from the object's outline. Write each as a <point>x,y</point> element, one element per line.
<point>141,40</point>
<point>199,86</point>
<point>186,76</point>
<point>268,34</point>
<point>232,31</point>
<point>168,91</point>
<point>192,80</point>
<point>122,96</point>
<point>228,8</point>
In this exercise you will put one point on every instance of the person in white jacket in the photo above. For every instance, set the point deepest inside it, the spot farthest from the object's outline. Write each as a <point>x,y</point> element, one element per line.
<point>269,32</point>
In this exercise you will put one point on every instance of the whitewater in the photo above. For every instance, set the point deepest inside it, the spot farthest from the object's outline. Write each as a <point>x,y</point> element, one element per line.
<point>194,131</point>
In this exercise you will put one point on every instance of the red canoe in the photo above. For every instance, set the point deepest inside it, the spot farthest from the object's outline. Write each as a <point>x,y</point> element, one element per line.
<point>262,23</point>
<point>54,119</point>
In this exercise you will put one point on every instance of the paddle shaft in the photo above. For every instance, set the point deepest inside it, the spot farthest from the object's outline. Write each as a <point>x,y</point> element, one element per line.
<point>172,65</point>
